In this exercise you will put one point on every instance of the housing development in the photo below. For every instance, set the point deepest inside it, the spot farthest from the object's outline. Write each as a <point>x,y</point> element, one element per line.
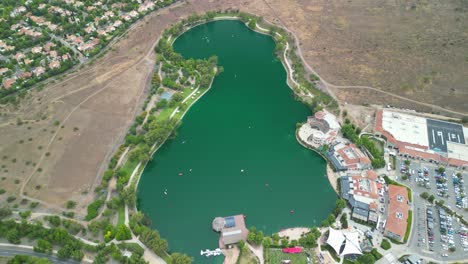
<point>40,39</point>
<point>233,131</point>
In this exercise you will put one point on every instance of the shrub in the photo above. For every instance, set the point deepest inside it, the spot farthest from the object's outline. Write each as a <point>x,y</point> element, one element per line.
<point>71,204</point>
<point>93,209</point>
<point>11,199</point>
<point>385,244</point>
<point>123,233</point>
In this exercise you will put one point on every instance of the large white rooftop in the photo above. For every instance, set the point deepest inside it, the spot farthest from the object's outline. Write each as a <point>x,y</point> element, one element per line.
<point>406,128</point>
<point>457,151</point>
<point>331,120</point>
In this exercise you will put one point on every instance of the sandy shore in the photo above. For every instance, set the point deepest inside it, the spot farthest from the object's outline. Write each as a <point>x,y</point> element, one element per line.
<point>332,178</point>
<point>293,233</point>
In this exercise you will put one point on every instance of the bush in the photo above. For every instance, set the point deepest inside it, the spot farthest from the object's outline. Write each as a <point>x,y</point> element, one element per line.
<point>93,209</point>
<point>385,244</point>
<point>71,204</point>
<point>123,233</point>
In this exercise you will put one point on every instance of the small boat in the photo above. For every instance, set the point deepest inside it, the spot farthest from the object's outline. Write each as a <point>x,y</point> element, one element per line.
<point>180,174</point>
<point>292,211</point>
<point>242,170</point>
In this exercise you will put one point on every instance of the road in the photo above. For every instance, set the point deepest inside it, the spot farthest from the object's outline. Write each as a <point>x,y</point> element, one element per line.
<point>7,250</point>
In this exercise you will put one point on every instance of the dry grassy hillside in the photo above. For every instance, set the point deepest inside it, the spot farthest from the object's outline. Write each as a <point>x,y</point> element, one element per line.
<point>56,144</point>
<point>413,48</point>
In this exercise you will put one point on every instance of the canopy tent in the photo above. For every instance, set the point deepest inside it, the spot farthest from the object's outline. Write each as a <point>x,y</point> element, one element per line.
<point>335,239</point>
<point>351,244</point>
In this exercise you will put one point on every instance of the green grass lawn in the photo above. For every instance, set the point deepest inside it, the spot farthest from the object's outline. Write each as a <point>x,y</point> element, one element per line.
<point>121,216</point>
<point>276,256</point>
<point>165,113</point>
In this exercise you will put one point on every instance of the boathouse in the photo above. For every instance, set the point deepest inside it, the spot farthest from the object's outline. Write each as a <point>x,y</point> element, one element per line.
<point>232,229</point>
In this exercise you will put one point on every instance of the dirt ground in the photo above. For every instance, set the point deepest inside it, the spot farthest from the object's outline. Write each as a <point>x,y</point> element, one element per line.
<point>58,141</point>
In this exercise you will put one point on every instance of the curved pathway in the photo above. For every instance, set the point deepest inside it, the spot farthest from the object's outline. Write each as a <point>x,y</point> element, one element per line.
<point>329,85</point>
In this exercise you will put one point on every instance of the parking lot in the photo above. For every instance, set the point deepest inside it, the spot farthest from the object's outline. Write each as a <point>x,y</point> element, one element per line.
<point>447,187</point>
<point>435,231</point>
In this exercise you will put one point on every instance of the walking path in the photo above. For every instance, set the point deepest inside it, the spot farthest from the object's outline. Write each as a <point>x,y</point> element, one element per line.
<point>258,251</point>
<point>329,85</point>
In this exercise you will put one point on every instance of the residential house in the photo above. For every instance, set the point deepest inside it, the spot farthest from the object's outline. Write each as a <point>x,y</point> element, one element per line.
<point>54,64</point>
<point>7,83</point>
<point>39,71</point>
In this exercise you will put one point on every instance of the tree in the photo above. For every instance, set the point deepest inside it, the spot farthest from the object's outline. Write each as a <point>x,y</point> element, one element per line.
<point>25,214</point>
<point>331,219</point>
<point>293,243</point>
<point>266,242</point>
<point>431,198</point>
<point>161,104</point>
<point>178,258</point>
<point>385,244</point>
<point>54,220</point>
<point>284,242</point>
<point>441,170</point>
<point>252,24</point>
<point>366,258</point>
<point>407,162</point>
<point>23,259</point>
<point>123,233</point>
<point>13,236</point>
<point>4,212</point>
<point>424,195</point>
<point>43,246</point>
<point>258,237</point>
<point>344,220</point>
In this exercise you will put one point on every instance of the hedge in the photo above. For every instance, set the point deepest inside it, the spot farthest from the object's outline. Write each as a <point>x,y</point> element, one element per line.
<point>408,226</point>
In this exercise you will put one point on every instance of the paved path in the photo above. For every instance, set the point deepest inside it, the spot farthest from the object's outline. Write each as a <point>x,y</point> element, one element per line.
<point>11,250</point>
<point>258,251</point>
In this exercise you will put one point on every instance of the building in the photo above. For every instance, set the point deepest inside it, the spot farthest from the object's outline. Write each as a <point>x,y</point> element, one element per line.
<point>320,129</point>
<point>344,242</point>
<point>232,229</point>
<point>423,138</point>
<point>7,83</point>
<point>362,194</point>
<point>348,157</point>
<point>398,208</point>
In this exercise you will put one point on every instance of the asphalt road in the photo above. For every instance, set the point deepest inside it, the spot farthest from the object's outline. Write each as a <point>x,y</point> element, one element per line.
<point>11,251</point>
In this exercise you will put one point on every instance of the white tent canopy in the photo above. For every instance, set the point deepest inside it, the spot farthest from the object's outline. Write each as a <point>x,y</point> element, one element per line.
<point>335,239</point>
<point>352,244</point>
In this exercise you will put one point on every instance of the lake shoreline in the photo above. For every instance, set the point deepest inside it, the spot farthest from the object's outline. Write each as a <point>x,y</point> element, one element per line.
<point>282,58</point>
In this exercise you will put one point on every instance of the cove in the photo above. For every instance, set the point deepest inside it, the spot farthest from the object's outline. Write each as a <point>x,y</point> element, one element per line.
<point>236,149</point>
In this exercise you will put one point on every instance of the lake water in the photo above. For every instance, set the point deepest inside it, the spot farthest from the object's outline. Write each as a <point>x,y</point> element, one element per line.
<point>236,149</point>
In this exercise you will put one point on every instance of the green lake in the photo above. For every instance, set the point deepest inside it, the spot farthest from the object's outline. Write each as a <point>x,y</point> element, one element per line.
<point>236,149</point>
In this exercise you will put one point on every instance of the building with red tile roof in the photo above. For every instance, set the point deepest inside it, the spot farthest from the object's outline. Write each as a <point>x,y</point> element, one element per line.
<point>398,208</point>
<point>410,135</point>
<point>348,157</point>
<point>7,83</point>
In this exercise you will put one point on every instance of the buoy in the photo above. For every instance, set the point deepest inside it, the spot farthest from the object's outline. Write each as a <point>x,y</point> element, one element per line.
<point>242,170</point>
<point>190,170</point>
<point>180,174</point>
<point>292,211</point>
